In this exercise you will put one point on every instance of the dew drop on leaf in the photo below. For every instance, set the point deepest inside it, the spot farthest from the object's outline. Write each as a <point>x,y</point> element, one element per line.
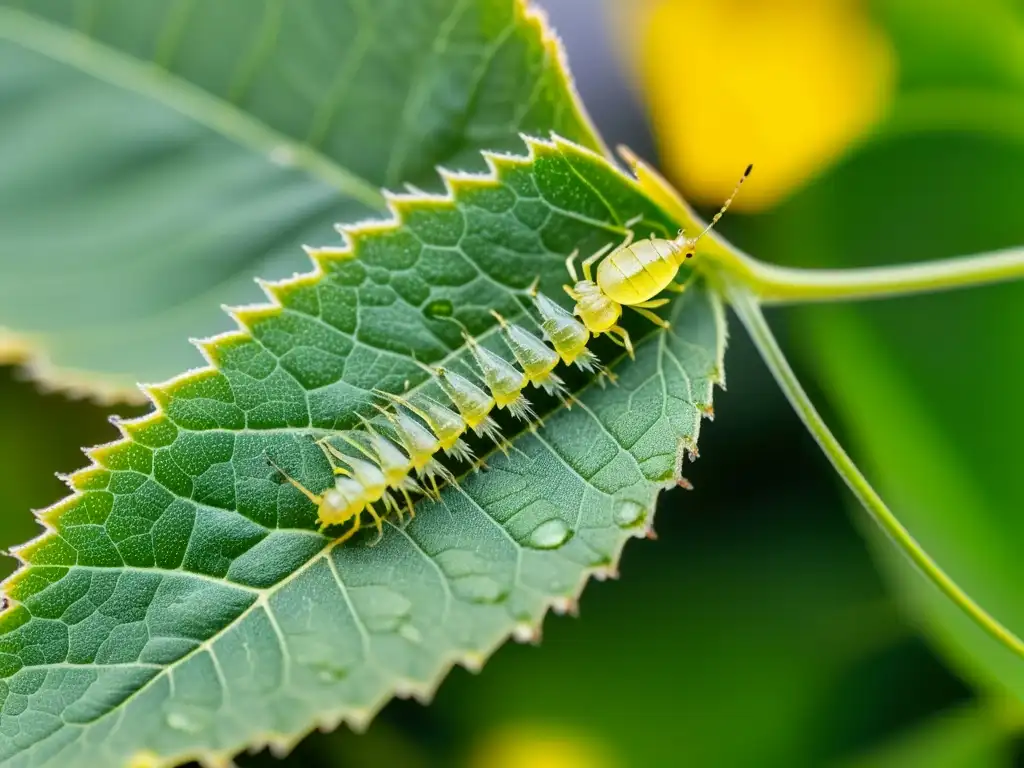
<point>550,535</point>
<point>479,589</point>
<point>629,514</point>
<point>183,719</point>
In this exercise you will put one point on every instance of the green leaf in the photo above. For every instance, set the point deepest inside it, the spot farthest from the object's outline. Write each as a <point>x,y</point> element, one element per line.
<point>211,140</point>
<point>181,604</point>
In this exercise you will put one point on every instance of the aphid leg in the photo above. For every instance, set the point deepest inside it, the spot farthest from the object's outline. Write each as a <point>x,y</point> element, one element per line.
<point>376,521</point>
<point>619,335</point>
<point>604,374</point>
<point>680,287</point>
<point>408,503</point>
<point>353,529</point>
<point>532,290</point>
<point>570,264</point>
<point>652,303</point>
<point>589,261</point>
<point>318,500</point>
<point>436,494</point>
<point>390,505</point>
<point>628,239</point>
<point>660,322</point>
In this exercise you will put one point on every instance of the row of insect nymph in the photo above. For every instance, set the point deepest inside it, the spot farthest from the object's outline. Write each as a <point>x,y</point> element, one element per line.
<point>375,466</point>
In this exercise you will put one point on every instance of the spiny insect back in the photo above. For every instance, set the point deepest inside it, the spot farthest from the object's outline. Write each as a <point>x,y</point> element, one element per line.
<point>631,275</point>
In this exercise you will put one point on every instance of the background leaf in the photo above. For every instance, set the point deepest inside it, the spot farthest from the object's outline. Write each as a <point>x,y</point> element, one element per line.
<point>182,604</point>
<point>213,139</point>
<point>945,457</point>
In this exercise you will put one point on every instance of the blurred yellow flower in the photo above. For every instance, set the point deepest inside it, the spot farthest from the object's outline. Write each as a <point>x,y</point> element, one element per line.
<point>784,84</point>
<point>530,746</point>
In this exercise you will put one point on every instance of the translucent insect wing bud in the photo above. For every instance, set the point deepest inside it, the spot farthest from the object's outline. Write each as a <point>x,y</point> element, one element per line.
<point>473,403</point>
<point>393,462</point>
<point>419,442</point>
<point>503,379</point>
<point>567,335</point>
<point>536,357</point>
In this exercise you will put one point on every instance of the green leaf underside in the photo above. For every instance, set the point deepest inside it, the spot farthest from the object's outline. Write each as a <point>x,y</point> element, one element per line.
<point>211,140</point>
<point>182,605</point>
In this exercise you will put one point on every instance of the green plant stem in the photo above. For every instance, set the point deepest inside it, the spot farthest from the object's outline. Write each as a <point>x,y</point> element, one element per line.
<point>749,312</point>
<point>784,285</point>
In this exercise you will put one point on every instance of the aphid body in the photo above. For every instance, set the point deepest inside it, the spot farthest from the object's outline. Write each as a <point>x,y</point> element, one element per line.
<point>537,359</point>
<point>505,381</point>
<point>473,403</point>
<point>344,502</point>
<point>631,275</point>
<point>567,335</point>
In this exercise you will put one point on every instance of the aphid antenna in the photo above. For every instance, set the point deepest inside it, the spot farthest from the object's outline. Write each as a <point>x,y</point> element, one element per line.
<point>432,371</point>
<point>725,205</point>
<point>500,318</point>
<point>306,492</point>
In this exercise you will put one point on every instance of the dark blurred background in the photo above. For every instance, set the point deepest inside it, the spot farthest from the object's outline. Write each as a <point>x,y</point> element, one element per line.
<point>757,630</point>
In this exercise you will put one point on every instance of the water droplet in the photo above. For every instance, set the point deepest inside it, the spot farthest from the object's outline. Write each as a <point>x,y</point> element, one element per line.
<point>329,673</point>
<point>410,633</point>
<point>439,308</point>
<point>382,609</point>
<point>479,589</point>
<point>470,576</point>
<point>630,514</point>
<point>550,535</point>
<point>184,718</point>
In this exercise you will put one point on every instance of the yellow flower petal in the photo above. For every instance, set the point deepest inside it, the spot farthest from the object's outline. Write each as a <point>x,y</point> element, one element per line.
<point>529,746</point>
<point>784,84</point>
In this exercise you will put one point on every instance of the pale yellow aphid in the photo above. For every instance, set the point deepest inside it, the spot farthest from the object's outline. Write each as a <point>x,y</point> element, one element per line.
<point>420,443</point>
<point>338,505</point>
<point>368,474</point>
<point>447,426</point>
<point>631,275</point>
<point>474,404</point>
<point>537,359</point>
<point>505,381</point>
<point>395,464</point>
<point>567,335</point>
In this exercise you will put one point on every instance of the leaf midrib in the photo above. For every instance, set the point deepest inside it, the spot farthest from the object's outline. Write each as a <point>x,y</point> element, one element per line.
<point>147,79</point>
